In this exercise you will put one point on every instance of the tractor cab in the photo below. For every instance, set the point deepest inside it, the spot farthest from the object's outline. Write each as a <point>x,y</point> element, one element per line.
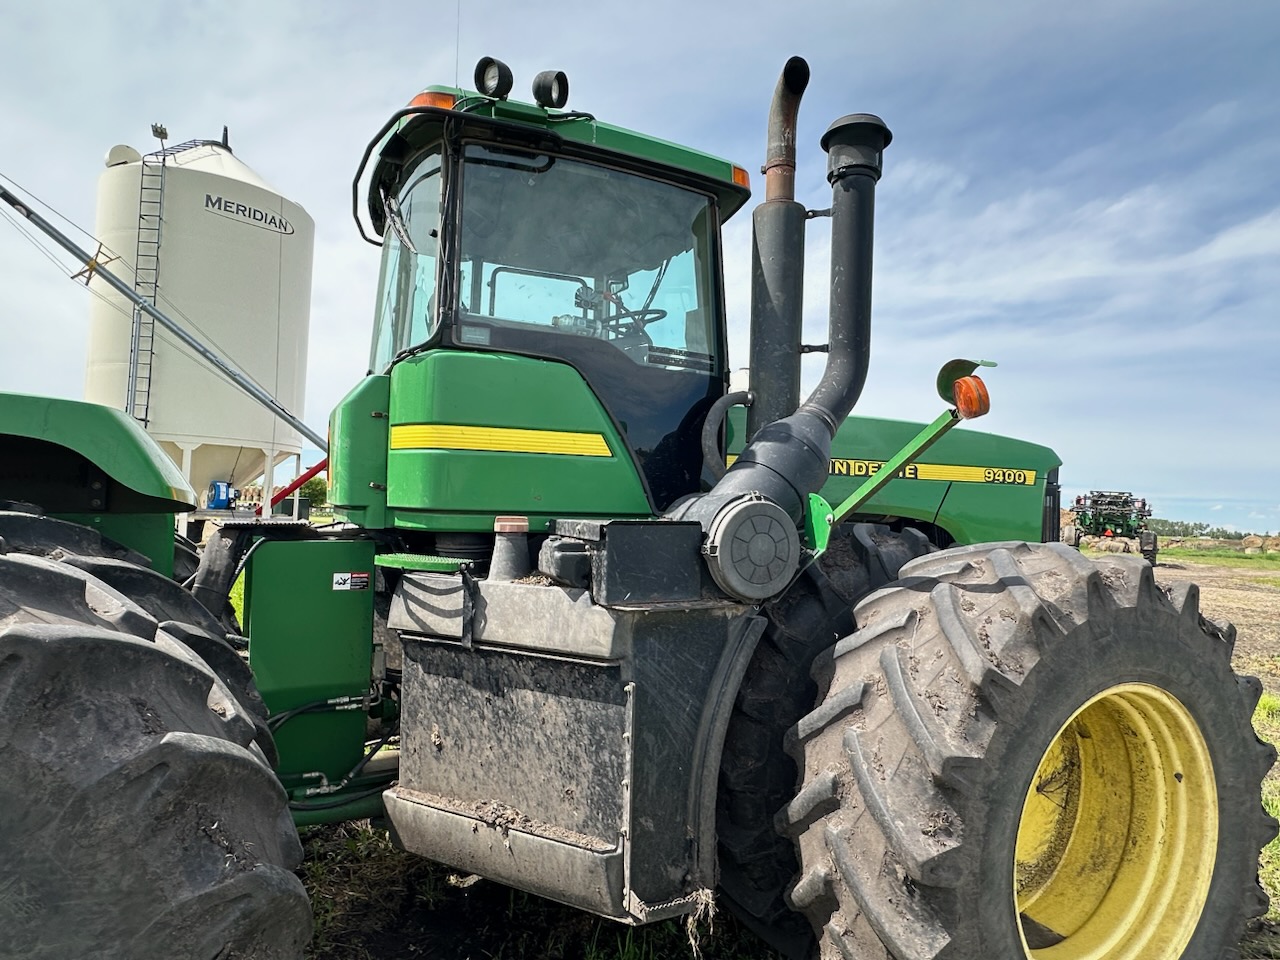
<point>563,242</point>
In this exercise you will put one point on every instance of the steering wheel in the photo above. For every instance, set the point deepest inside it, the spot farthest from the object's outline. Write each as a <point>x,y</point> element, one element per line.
<point>641,318</point>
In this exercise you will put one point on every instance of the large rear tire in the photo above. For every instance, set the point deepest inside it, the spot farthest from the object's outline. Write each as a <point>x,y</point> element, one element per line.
<point>757,776</point>
<point>1025,754</point>
<point>139,816</point>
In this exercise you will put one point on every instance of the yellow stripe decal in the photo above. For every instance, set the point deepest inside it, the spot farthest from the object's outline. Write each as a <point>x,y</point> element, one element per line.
<point>937,471</point>
<point>929,471</point>
<point>440,436</point>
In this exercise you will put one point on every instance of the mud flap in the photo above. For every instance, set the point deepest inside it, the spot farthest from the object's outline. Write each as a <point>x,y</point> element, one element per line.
<point>585,779</point>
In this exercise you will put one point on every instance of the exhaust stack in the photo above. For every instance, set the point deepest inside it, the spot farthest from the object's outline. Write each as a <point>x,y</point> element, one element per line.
<point>751,514</point>
<point>777,262</point>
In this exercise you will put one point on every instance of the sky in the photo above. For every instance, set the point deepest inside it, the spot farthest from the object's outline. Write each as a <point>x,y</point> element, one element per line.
<point>1087,193</point>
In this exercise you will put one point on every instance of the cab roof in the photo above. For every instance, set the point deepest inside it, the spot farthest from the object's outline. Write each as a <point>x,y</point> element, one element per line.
<point>563,130</point>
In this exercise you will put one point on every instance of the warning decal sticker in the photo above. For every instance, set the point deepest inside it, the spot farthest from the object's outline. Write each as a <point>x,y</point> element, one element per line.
<point>351,581</point>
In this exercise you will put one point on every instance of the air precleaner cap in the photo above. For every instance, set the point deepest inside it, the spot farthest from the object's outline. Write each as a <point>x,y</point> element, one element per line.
<point>855,141</point>
<point>752,549</point>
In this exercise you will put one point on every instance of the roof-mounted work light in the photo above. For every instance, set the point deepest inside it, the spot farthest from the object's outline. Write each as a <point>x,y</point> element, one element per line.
<point>493,78</point>
<point>551,89</point>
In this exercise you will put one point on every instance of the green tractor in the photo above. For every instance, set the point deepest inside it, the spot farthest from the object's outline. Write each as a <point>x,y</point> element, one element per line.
<point>1114,513</point>
<point>554,642</point>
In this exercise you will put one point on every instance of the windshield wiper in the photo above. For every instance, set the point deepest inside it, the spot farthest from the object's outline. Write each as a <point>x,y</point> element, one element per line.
<point>391,207</point>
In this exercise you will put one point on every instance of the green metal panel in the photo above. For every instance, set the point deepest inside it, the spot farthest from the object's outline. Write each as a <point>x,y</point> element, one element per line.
<point>981,513</point>
<point>110,440</point>
<point>558,454</point>
<point>148,533</point>
<point>309,617</point>
<point>358,453</point>
<point>993,486</point>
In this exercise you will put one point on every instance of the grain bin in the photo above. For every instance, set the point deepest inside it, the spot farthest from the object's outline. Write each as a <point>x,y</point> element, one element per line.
<point>218,249</point>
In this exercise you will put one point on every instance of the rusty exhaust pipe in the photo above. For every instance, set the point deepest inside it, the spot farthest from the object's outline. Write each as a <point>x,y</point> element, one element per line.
<point>780,152</point>
<point>777,262</point>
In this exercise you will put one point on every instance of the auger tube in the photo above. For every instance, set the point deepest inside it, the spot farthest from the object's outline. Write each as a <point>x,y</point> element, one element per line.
<point>93,267</point>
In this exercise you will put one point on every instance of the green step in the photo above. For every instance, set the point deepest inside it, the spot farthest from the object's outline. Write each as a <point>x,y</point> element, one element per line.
<point>419,561</point>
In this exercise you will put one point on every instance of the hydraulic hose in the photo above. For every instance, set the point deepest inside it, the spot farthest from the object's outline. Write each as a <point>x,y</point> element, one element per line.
<point>712,462</point>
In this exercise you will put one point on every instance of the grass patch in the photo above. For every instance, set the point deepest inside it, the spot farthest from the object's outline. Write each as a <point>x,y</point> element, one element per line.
<point>237,598</point>
<point>1268,708</point>
<point>1266,720</point>
<point>1259,947</point>
<point>1269,861</point>
<point>1258,561</point>
<point>1264,944</point>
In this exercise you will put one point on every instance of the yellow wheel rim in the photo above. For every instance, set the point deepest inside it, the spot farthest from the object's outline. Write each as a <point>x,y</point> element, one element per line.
<point>1119,832</point>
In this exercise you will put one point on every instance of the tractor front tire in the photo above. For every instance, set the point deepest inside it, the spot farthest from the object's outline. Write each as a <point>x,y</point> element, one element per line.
<point>757,776</point>
<point>1025,754</point>
<point>139,816</point>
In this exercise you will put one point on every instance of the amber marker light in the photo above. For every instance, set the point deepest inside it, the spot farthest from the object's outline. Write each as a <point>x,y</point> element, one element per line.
<point>741,177</point>
<point>434,98</point>
<point>972,399</point>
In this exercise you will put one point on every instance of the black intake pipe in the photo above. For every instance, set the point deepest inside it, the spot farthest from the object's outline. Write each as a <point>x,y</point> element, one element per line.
<point>854,145</point>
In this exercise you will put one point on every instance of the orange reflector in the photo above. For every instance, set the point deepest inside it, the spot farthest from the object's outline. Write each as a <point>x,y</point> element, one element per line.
<point>741,177</point>
<point>434,98</point>
<point>972,399</point>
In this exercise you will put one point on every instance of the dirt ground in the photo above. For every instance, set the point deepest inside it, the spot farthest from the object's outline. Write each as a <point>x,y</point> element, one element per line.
<point>1249,598</point>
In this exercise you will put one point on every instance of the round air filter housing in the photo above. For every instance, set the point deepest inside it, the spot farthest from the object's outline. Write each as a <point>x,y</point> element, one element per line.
<point>752,548</point>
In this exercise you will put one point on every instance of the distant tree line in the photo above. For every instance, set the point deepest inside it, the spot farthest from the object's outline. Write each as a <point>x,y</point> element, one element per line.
<point>315,490</point>
<point>1185,528</point>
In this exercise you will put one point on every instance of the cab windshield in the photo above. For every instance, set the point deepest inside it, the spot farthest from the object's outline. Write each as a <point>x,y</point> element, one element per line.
<point>580,250</point>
